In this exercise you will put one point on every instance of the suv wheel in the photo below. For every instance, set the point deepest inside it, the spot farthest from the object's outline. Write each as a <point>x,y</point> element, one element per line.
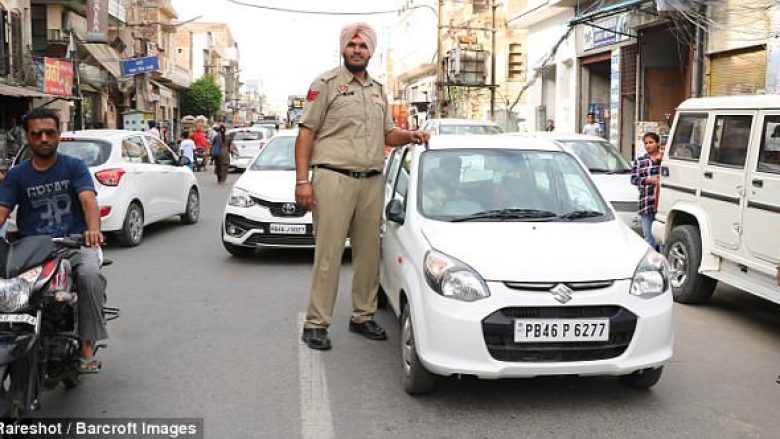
<point>642,379</point>
<point>133,228</point>
<point>683,251</point>
<point>417,380</point>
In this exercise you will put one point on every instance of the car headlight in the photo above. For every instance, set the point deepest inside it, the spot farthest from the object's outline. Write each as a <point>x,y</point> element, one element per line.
<point>452,278</point>
<point>15,293</point>
<point>651,277</point>
<point>240,198</point>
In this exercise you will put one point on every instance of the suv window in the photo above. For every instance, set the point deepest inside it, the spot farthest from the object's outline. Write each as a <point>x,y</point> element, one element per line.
<point>769,155</point>
<point>688,137</point>
<point>161,153</point>
<point>730,140</point>
<point>134,151</point>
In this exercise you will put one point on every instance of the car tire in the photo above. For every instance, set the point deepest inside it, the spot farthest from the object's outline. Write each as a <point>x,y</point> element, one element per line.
<point>416,379</point>
<point>238,251</point>
<point>192,208</point>
<point>683,251</point>
<point>642,379</point>
<point>133,227</point>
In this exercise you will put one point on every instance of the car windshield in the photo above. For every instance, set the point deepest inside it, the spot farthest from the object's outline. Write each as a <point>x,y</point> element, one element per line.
<point>247,135</point>
<point>599,157</point>
<point>469,129</point>
<point>278,155</point>
<point>506,185</point>
<point>93,152</point>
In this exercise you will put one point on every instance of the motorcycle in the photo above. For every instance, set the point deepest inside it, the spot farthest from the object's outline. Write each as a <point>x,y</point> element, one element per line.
<point>39,345</point>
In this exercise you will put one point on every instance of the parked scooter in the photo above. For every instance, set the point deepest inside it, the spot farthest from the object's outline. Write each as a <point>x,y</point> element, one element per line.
<point>39,345</point>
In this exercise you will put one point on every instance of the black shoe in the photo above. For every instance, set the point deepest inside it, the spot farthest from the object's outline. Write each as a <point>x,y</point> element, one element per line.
<point>369,329</point>
<point>316,338</point>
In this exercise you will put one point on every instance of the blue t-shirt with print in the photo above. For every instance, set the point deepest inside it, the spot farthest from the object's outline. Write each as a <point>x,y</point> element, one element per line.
<point>47,201</point>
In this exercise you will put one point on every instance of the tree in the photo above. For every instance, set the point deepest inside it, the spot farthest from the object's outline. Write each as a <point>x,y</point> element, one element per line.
<point>203,97</point>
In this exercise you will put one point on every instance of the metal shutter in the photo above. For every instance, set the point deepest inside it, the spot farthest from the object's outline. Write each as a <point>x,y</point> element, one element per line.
<point>738,73</point>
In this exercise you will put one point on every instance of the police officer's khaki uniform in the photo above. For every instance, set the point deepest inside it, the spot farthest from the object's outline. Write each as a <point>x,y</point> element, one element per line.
<point>350,121</point>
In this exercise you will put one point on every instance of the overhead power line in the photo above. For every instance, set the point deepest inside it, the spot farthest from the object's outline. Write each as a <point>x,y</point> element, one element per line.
<point>302,11</point>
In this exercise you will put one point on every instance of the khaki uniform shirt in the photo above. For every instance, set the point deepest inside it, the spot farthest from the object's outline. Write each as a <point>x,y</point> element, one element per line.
<point>349,119</point>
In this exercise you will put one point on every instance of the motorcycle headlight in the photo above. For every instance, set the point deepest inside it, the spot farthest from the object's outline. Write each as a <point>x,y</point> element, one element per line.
<point>651,277</point>
<point>15,293</point>
<point>240,198</point>
<point>452,278</point>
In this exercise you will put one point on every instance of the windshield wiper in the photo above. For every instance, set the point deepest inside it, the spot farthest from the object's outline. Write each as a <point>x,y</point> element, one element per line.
<point>579,214</point>
<point>503,214</point>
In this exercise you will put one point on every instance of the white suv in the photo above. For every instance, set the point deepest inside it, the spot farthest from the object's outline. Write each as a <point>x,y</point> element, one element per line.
<point>504,260</point>
<point>719,206</point>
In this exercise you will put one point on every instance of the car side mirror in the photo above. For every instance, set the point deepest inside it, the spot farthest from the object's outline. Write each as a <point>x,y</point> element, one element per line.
<point>395,211</point>
<point>183,161</point>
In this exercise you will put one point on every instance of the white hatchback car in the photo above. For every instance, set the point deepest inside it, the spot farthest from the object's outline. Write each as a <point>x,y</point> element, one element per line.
<point>261,209</point>
<point>248,142</point>
<point>139,180</point>
<point>610,171</point>
<point>503,260</point>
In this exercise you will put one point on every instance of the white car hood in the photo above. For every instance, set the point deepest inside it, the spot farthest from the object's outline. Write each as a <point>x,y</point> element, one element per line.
<point>540,252</point>
<point>276,186</point>
<point>616,187</point>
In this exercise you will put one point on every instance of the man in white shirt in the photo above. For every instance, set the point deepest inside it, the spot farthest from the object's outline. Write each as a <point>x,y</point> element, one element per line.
<point>592,128</point>
<point>153,129</point>
<point>187,148</point>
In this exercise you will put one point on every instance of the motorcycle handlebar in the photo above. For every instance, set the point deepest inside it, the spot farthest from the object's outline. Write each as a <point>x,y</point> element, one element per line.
<point>72,241</point>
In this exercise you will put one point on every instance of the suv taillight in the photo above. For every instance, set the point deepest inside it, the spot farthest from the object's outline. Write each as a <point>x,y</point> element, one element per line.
<point>110,177</point>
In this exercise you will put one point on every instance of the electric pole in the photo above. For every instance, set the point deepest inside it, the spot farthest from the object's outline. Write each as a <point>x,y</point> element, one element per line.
<point>439,77</point>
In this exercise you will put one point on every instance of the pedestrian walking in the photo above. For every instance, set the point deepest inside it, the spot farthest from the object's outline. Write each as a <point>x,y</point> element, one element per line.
<point>343,131</point>
<point>153,129</point>
<point>187,148</point>
<point>645,174</point>
<point>592,128</point>
<point>220,154</point>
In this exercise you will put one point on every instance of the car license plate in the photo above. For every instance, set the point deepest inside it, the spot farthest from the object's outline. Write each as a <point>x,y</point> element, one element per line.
<point>561,330</point>
<point>288,229</point>
<point>18,318</point>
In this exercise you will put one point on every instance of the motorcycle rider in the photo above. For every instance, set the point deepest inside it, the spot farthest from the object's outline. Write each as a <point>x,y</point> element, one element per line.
<point>54,195</point>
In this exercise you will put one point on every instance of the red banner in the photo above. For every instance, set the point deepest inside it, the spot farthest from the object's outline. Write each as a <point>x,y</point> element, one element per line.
<point>58,77</point>
<point>97,21</point>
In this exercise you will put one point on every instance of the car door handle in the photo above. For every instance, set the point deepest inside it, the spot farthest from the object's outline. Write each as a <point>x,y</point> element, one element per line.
<point>758,183</point>
<point>708,174</point>
<point>664,171</point>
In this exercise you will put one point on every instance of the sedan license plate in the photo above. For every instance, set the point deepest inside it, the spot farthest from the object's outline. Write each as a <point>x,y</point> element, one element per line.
<point>561,330</point>
<point>288,229</point>
<point>18,318</point>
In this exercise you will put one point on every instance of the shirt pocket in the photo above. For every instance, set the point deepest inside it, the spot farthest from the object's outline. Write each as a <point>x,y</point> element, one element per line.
<point>344,106</point>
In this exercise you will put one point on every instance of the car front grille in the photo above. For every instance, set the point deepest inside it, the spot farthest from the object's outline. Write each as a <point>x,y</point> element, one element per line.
<point>282,210</point>
<point>499,328</point>
<point>626,206</point>
<point>291,240</point>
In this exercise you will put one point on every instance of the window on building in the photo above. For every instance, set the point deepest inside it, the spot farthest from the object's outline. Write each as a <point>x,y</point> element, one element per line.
<point>40,40</point>
<point>480,5</point>
<point>4,49</point>
<point>730,140</point>
<point>688,137</point>
<point>515,64</point>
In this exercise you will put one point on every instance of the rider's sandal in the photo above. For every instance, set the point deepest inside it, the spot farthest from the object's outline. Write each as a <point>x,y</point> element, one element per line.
<point>91,366</point>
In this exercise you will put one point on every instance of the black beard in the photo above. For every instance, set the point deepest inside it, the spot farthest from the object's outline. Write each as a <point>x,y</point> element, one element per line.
<point>355,68</point>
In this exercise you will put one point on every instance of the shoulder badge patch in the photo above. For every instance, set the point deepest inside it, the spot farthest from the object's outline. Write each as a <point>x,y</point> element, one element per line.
<point>312,95</point>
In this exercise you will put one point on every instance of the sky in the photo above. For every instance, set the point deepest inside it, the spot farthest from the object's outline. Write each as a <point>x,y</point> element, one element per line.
<point>287,51</point>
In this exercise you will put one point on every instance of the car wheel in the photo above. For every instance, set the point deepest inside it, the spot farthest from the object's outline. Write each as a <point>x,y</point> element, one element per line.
<point>642,379</point>
<point>192,211</point>
<point>133,228</point>
<point>683,251</point>
<point>238,250</point>
<point>416,379</point>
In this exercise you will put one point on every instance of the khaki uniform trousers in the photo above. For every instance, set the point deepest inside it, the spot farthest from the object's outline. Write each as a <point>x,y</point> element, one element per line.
<point>345,206</point>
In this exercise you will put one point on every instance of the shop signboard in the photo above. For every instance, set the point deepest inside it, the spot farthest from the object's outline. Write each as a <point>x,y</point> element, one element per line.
<point>605,32</point>
<point>58,77</point>
<point>97,21</point>
<point>140,65</point>
<point>614,98</point>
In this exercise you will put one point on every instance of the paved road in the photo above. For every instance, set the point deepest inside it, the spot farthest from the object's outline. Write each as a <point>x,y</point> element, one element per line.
<point>203,334</point>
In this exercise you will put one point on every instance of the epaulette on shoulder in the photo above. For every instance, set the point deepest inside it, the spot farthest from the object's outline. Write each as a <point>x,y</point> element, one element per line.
<point>330,74</point>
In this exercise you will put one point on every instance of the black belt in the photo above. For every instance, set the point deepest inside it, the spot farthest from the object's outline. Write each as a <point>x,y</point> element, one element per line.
<point>347,172</point>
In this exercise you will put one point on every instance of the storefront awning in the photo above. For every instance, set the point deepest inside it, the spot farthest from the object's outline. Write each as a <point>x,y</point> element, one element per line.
<point>23,92</point>
<point>106,56</point>
<point>607,11</point>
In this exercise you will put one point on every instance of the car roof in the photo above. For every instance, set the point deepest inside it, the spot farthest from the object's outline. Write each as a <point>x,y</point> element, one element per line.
<point>287,133</point>
<point>556,136</point>
<point>464,122</point>
<point>101,134</point>
<point>754,102</point>
<point>487,141</point>
<point>254,129</point>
